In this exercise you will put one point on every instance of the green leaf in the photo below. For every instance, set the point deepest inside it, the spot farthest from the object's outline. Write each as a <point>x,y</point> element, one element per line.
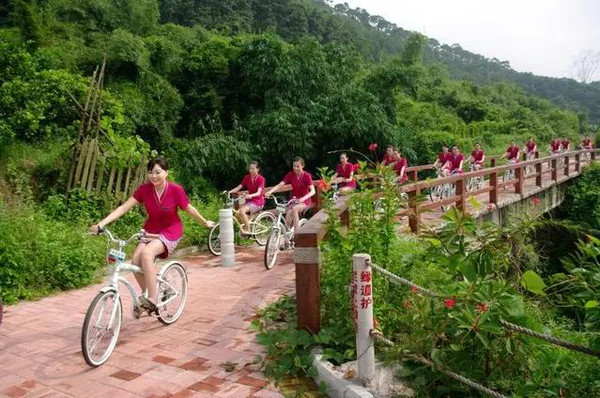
<point>591,304</point>
<point>532,282</point>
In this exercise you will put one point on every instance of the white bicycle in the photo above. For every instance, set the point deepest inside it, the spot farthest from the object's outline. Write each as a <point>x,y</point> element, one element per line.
<point>530,169</point>
<point>281,237</point>
<point>474,183</point>
<point>260,228</point>
<point>443,191</point>
<point>104,316</point>
<point>509,174</point>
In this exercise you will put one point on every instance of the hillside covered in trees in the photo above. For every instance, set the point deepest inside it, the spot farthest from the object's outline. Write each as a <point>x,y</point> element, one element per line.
<point>213,84</point>
<point>375,38</point>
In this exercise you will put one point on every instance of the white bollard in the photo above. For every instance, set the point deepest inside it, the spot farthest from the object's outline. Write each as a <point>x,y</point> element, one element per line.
<point>226,237</point>
<point>363,305</point>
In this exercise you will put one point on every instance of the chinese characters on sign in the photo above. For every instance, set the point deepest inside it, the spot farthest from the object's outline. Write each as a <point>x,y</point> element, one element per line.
<point>365,289</point>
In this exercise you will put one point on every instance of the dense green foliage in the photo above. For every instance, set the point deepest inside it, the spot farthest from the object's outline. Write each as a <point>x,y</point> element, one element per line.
<point>215,83</point>
<point>582,200</point>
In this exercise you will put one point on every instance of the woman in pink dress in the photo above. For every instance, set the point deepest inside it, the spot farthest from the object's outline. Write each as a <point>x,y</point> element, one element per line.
<point>162,200</point>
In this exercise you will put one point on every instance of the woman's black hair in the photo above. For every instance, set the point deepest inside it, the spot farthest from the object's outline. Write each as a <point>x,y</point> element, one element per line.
<point>255,163</point>
<point>299,159</point>
<point>162,162</point>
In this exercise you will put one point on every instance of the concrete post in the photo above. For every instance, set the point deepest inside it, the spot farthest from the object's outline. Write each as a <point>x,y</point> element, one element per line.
<point>365,347</point>
<point>226,237</point>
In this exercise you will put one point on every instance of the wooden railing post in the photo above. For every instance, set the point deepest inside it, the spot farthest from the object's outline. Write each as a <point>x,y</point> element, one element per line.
<point>308,281</point>
<point>318,197</point>
<point>493,162</point>
<point>538,171</point>
<point>577,162</point>
<point>412,175</point>
<point>414,218</point>
<point>519,179</point>
<point>554,170</point>
<point>567,165</point>
<point>494,188</point>
<point>461,191</point>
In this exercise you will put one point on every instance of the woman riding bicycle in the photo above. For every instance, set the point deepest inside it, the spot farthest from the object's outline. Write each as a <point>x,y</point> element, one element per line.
<point>512,153</point>
<point>302,192</point>
<point>565,144</point>
<point>254,183</point>
<point>344,175</point>
<point>530,148</point>
<point>554,147</point>
<point>162,199</point>
<point>400,164</point>
<point>477,158</point>
<point>455,162</point>
<point>586,143</point>
<point>441,163</point>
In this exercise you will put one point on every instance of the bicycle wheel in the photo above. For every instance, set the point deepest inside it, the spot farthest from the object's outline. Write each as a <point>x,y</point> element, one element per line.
<point>272,248</point>
<point>175,290</point>
<point>214,240</point>
<point>101,328</point>
<point>262,226</point>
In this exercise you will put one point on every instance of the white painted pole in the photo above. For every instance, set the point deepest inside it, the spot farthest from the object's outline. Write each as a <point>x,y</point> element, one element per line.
<point>365,349</point>
<point>226,237</point>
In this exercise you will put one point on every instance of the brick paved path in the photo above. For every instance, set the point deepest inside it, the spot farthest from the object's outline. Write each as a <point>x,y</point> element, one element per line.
<point>40,354</point>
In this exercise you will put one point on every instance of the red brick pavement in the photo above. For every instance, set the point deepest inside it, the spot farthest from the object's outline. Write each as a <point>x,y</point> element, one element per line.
<point>40,354</point>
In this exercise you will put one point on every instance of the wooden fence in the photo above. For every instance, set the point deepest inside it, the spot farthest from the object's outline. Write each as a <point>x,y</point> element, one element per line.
<point>93,174</point>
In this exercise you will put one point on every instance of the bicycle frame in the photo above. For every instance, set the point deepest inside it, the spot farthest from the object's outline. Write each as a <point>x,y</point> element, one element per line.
<point>230,205</point>
<point>123,266</point>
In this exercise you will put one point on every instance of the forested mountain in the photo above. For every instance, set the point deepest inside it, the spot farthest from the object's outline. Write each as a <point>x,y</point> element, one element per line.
<point>215,83</point>
<point>374,37</point>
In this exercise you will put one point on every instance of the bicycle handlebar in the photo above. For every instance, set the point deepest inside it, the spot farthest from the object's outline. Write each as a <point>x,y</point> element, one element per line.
<point>111,237</point>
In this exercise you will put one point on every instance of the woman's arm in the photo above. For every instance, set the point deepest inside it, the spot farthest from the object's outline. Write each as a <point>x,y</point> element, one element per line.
<point>351,177</point>
<point>274,189</point>
<point>114,215</point>
<point>257,193</point>
<point>311,193</point>
<point>191,210</point>
<point>236,189</point>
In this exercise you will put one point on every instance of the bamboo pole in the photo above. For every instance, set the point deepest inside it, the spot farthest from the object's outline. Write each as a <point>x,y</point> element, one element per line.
<point>90,182</point>
<point>88,162</point>
<point>101,172</point>
<point>80,162</point>
<point>126,187</point>
<point>111,179</point>
<point>77,146</point>
<point>118,184</point>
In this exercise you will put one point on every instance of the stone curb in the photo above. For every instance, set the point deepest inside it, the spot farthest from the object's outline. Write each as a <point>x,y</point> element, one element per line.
<point>336,386</point>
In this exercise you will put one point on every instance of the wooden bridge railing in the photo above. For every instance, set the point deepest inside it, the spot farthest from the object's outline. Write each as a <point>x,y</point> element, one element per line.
<point>414,190</point>
<point>307,256</point>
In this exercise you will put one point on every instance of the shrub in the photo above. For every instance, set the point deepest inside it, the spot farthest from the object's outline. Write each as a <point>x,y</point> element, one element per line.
<point>39,255</point>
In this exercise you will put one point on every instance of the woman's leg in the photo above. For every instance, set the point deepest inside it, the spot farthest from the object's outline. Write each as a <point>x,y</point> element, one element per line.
<point>293,215</point>
<point>137,260</point>
<point>243,217</point>
<point>149,253</point>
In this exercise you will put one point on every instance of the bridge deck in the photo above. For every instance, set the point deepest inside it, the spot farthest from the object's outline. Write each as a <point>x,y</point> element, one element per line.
<point>40,351</point>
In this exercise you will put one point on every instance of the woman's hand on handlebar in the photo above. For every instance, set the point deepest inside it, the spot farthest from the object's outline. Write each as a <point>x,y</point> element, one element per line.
<point>209,224</point>
<point>96,229</point>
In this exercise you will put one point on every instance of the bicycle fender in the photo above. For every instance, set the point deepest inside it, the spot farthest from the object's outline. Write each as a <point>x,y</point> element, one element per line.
<point>107,289</point>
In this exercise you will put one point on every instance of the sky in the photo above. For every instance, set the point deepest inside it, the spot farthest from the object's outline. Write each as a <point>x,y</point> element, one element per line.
<point>538,36</point>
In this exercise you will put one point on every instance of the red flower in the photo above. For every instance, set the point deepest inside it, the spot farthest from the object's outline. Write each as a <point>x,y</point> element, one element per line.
<point>483,307</point>
<point>414,290</point>
<point>407,304</point>
<point>449,303</point>
<point>357,166</point>
<point>372,147</point>
<point>491,207</point>
<point>323,186</point>
<point>536,201</point>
